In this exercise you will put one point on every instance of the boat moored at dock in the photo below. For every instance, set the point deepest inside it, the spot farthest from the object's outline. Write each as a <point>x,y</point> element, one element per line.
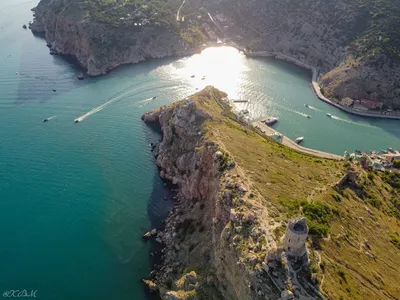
<point>270,120</point>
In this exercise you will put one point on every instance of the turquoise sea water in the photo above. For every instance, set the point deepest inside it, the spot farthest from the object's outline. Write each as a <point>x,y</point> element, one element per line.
<point>75,198</point>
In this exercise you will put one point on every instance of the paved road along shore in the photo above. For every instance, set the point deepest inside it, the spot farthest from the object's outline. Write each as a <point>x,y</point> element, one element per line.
<point>315,84</point>
<point>291,144</point>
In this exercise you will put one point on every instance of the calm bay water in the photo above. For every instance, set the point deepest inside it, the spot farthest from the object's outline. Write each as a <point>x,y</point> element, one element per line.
<point>75,198</point>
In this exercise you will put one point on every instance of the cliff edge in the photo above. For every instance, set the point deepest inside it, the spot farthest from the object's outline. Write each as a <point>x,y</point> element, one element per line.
<point>102,36</point>
<point>245,227</point>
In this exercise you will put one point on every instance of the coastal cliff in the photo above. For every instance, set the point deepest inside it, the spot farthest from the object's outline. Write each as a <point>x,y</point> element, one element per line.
<point>224,237</point>
<point>201,233</point>
<point>101,43</point>
<point>353,43</point>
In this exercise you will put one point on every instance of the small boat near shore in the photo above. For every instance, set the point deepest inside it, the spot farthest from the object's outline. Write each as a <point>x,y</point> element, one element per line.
<point>308,117</point>
<point>77,121</point>
<point>45,120</point>
<point>270,121</point>
<point>306,105</point>
<point>154,97</point>
<point>299,139</point>
<point>329,115</point>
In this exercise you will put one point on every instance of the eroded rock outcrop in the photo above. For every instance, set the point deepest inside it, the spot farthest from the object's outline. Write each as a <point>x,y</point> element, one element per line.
<point>217,228</point>
<point>98,47</point>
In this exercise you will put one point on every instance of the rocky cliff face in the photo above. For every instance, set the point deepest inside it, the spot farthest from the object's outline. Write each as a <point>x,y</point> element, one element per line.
<point>340,38</point>
<point>216,230</point>
<point>376,79</point>
<point>345,39</point>
<point>100,47</point>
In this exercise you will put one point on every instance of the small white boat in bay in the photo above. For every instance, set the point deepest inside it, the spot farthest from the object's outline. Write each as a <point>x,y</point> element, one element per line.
<point>329,115</point>
<point>299,139</point>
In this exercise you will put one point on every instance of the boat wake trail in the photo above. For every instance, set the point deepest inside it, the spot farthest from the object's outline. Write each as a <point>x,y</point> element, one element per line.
<point>145,100</point>
<point>292,110</point>
<point>101,107</point>
<point>314,108</point>
<point>124,94</point>
<point>95,110</point>
<point>351,122</point>
<point>52,117</point>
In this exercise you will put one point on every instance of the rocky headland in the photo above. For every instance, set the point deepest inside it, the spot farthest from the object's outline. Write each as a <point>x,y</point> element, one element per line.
<point>353,43</point>
<point>101,39</point>
<point>229,235</point>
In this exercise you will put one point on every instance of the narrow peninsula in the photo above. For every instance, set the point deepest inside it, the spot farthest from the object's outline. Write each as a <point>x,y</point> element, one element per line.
<point>255,219</point>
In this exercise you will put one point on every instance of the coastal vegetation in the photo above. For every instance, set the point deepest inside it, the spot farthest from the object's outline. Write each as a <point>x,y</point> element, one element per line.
<point>381,35</point>
<point>129,12</point>
<point>133,14</point>
<point>353,227</point>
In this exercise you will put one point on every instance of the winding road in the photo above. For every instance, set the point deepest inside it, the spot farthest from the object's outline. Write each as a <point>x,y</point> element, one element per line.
<point>179,11</point>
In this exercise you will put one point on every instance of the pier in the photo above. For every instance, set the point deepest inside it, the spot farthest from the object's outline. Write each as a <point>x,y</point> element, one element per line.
<point>292,144</point>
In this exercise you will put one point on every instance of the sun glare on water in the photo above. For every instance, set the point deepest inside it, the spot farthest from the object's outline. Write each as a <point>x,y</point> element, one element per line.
<point>222,67</point>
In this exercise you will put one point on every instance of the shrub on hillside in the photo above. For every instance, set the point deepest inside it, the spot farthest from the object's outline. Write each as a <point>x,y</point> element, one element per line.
<point>396,163</point>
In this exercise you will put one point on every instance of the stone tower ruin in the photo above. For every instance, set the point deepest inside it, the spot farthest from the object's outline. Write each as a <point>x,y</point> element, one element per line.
<point>294,241</point>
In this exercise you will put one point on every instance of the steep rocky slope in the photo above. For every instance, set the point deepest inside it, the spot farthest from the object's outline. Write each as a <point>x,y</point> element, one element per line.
<point>101,40</point>
<point>352,42</point>
<point>223,239</point>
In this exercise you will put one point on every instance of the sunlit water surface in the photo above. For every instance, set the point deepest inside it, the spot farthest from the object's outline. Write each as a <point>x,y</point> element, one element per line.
<point>75,198</point>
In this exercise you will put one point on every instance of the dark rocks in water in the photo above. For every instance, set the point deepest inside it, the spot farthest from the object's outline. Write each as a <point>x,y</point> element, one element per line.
<point>24,26</point>
<point>52,52</point>
<point>48,45</point>
<point>81,76</point>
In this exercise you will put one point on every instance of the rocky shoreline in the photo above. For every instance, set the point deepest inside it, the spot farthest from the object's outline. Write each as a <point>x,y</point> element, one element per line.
<point>70,29</point>
<point>100,48</point>
<point>216,241</point>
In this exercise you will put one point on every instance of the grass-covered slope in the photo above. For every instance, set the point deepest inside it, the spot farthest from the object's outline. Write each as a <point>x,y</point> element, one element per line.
<point>355,229</point>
